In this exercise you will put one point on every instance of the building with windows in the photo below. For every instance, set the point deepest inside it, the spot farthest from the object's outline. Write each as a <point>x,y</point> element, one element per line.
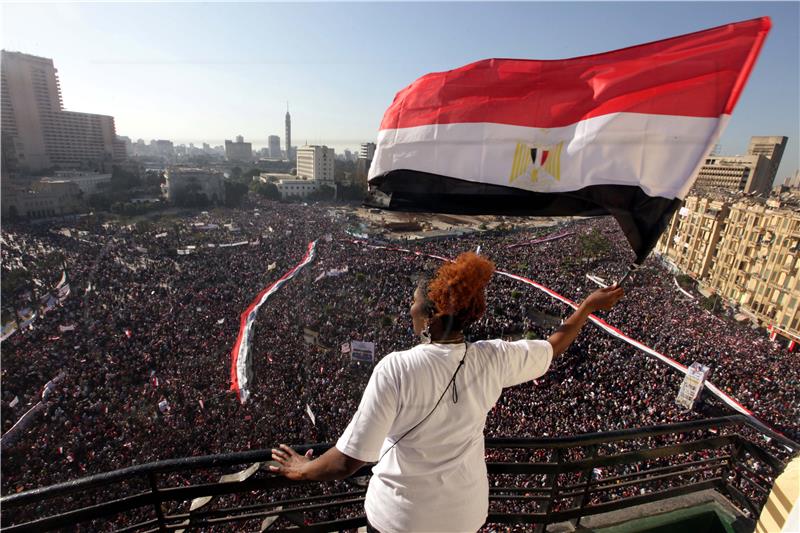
<point>239,150</point>
<point>746,249</point>
<point>38,133</point>
<point>41,200</point>
<point>297,188</point>
<point>87,182</point>
<point>693,234</point>
<point>753,173</point>
<point>316,163</point>
<point>771,147</point>
<point>367,151</point>
<point>288,134</point>
<point>741,173</point>
<point>274,145</point>
<point>756,265</point>
<point>184,180</point>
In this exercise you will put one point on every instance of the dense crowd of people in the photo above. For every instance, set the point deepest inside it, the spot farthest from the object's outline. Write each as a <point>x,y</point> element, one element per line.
<point>146,368</point>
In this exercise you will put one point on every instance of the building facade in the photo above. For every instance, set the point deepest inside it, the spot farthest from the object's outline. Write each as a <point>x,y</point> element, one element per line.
<point>180,180</point>
<point>37,132</point>
<point>239,150</point>
<point>741,173</point>
<point>87,182</point>
<point>367,151</point>
<point>316,163</point>
<point>693,234</point>
<point>288,135</point>
<point>745,249</point>
<point>757,263</point>
<point>274,144</point>
<point>753,173</point>
<point>297,188</point>
<point>41,200</point>
<point>771,147</point>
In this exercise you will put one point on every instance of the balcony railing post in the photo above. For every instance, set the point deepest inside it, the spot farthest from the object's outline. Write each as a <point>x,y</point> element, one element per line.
<point>552,481</point>
<point>588,474</point>
<point>730,471</point>
<point>151,478</point>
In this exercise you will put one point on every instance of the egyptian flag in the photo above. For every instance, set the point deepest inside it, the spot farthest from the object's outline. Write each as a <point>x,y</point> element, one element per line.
<point>241,356</point>
<point>621,133</point>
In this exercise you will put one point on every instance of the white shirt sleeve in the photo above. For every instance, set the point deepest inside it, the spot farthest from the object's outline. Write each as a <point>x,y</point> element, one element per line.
<point>523,360</point>
<point>363,437</point>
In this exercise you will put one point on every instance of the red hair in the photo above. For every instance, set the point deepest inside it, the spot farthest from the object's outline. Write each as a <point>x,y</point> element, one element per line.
<point>458,290</point>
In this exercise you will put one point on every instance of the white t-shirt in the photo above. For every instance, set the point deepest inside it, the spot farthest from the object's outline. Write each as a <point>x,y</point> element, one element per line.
<point>435,478</point>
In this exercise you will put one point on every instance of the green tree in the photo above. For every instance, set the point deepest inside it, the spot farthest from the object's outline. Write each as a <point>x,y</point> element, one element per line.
<point>123,180</point>
<point>235,193</point>
<point>267,190</point>
<point>594,245</point>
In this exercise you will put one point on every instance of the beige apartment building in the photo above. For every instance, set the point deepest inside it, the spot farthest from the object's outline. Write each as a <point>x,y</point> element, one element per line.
<point>693,234</point>
<point>37,133</point>
<point>746,249</point>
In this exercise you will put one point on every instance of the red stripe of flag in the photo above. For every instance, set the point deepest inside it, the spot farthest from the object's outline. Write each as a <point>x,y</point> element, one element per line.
<point>246,313</point>
<point>700,74</point>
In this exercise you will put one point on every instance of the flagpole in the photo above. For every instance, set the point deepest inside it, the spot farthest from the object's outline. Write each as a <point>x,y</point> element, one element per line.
<point>633,267</point>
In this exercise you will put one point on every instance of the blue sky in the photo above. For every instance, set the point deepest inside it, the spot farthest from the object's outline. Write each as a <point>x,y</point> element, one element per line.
<point>205,72</point>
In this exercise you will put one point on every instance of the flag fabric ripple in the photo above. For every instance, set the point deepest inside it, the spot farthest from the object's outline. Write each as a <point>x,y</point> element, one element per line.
<point>241,360</point>
<point>621,133</point>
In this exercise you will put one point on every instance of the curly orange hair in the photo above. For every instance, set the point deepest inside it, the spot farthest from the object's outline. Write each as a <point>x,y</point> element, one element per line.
<point>458,290</point>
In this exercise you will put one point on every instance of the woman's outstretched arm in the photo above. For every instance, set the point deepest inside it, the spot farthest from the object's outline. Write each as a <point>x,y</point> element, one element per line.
<point>566,333</point>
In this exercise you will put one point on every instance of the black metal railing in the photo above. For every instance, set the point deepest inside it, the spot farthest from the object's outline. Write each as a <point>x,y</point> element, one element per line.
<point>532,481</point>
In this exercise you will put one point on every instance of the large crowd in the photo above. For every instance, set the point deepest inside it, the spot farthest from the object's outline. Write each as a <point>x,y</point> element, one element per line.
<point>146,369</point>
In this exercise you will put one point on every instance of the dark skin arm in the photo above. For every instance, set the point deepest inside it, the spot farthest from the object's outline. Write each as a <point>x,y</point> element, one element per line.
<point>566,333</point>
<point>331,465</point>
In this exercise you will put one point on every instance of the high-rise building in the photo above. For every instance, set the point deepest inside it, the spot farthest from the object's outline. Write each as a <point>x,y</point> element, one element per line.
<point>162,148</point>
<point>288,134</point>
<point>367,151</point>
<point>37,132</point>
<point>239,150</point>
<point>752,173</point>
<point>316,163</point>
<point>741,173</point>
<point>771,147</point>
<point>274,143</point>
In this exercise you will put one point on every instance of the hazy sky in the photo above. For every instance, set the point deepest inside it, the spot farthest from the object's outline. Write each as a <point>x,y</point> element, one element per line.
<point>205,72</point>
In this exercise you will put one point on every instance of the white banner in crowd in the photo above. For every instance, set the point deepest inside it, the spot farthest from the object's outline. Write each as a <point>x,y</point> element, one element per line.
<point>241,364</point>
<point>692,385</point>
<point>332,273</point>
<point>310,414</point>
<point>9,328</point>
<point>362,351</point>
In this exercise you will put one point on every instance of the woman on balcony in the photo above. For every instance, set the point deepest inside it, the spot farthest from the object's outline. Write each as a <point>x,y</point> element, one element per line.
<point>422,415</point>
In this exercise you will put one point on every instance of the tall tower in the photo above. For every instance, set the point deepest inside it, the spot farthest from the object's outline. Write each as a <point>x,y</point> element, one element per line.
<point>288,133</point>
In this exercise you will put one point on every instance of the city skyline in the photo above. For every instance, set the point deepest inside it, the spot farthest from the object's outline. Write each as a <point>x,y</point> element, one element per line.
<point>233,68</point>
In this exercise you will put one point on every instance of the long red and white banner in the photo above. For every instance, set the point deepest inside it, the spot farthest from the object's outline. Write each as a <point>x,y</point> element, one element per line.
<point>241,364</point>
<point>643,116</point>
<point>599,322</point>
